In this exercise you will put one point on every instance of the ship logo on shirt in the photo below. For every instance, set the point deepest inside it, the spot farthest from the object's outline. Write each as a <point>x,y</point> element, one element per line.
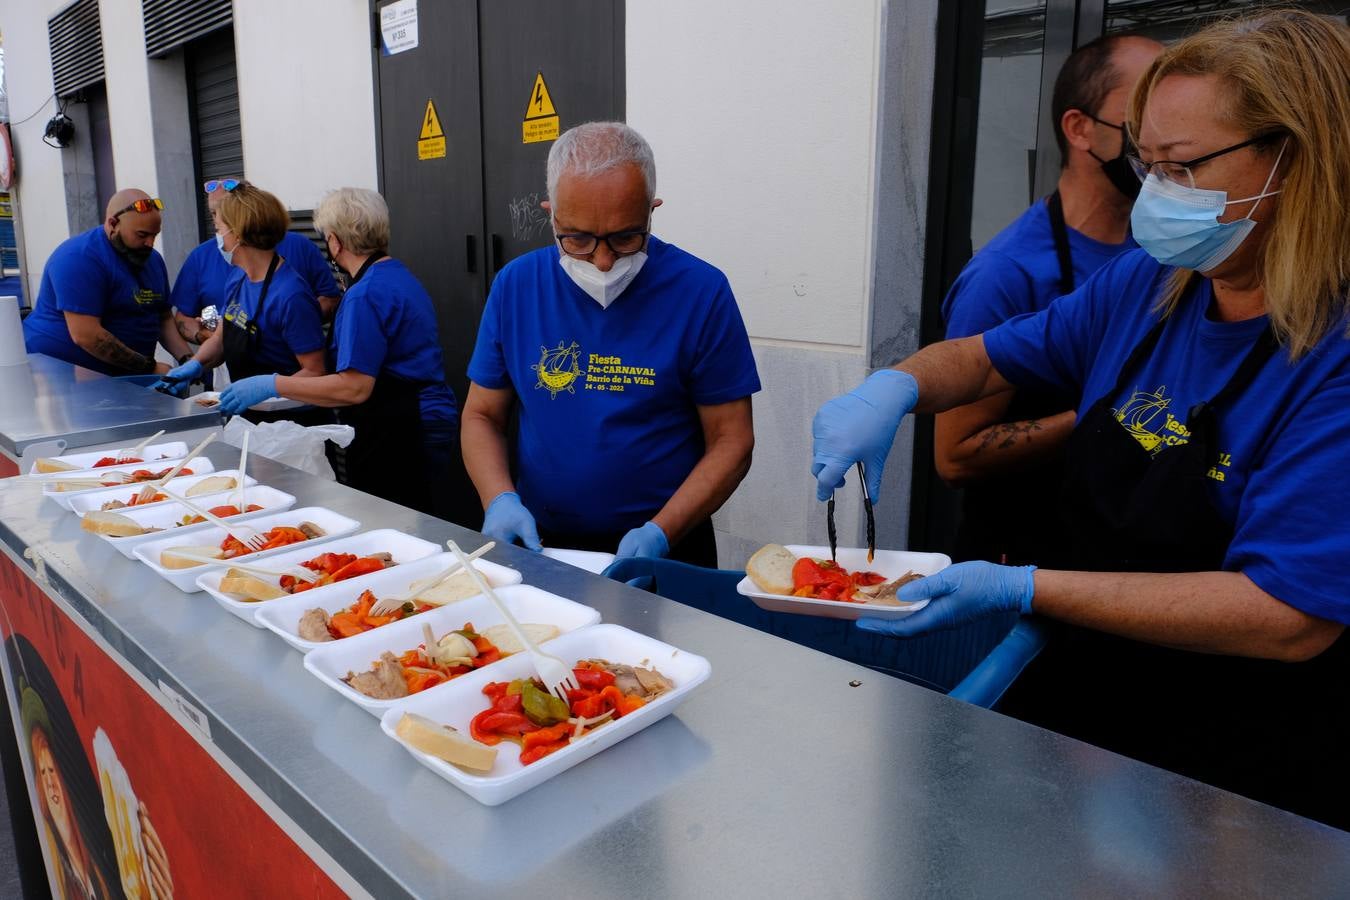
<point>1140,417</point>
<point>558,368</point>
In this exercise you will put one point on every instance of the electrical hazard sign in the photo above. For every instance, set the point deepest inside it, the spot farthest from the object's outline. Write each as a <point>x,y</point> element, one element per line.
<point>431,142</point>
<point>541,119</point>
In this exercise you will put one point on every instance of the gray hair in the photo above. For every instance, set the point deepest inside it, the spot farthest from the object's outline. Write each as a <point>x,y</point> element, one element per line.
<point>357,216</point>
<point>597,147</point>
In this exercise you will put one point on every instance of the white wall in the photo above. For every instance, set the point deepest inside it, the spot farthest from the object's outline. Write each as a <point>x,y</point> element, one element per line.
<point>306,96</point>
<point>762,117</point>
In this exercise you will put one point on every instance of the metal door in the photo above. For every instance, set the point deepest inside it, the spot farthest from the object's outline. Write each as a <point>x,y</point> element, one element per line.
<point>576,49</point>
<point>213,108</point>
<point>435,190</point>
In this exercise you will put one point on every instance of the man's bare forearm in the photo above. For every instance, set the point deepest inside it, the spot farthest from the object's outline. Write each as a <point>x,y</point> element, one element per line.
<point>1008,445</point>
<point>713,480</point>
<point>952,374</point>
<point>107,347</point>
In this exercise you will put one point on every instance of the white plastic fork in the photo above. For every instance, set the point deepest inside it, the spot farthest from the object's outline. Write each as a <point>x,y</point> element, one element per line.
<point>192,454</point>
<point>243,473</point>
<point>251,538</point>
<point>126,456</point>
<point>387,605</point>
<point>556,675</point>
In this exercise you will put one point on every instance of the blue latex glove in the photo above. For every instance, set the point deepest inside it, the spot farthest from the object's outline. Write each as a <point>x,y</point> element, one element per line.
<point>176,381</point>
<point>247,392</point>
<point>507,519</point>
<point>860,427</point>
<point>959,594</point>
<point>649,540</point>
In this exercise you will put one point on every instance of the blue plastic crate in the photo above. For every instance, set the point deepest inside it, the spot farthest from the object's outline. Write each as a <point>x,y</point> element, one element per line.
<point>975,663</point>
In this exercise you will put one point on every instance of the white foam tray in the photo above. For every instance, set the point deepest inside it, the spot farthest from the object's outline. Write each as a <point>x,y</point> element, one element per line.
<point>590,560</point>
<point>891,563</point>
<point>334,524</point>
<point>199,465</point>
<point>462,699</point>
<point>85,501</point>
<point>331,662</point>
<point>404,548</point>
<point>85,459</point>
<point>164,515</point>
<point>283,614</point>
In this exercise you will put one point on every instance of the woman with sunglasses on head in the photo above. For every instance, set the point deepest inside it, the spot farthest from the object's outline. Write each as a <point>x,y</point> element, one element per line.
<point>271,321</point>
<point>388,379</point>
<point>1199,607</point>
<point>104,300</point>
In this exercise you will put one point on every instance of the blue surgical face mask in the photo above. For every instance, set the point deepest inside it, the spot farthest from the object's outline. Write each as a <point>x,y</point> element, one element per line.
<point>220,245</point>
<point>1179,226</point>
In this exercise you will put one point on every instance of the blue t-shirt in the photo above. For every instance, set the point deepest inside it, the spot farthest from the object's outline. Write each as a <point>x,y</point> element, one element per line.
<point>291,322</point>
<point>387,323</point>
<point>1018,272</point>
<point>86,275</point>
<point>608,424</point>
<point>201,280</point>
<point>1280,476</point>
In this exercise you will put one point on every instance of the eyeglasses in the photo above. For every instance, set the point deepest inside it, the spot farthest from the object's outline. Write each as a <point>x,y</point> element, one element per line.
<point>228,184</point>
<point>623,243</point>
<point>142,206</point>
<point>1181,172</point>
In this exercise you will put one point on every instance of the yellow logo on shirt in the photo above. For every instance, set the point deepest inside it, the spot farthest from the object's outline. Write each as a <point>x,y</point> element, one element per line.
<point>1146,419</point>
<point>558,368</point>
<point>146,297</point>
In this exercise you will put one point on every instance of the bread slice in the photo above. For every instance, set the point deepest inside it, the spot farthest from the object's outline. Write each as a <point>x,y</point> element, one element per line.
<point>111,523</point>
<point>248,587</point>
<point>169,560</point>
<point>45,465</point>
<point>505,639</point>
<point>213,485</point>
<point>771,569</point>
<point>444,742</point>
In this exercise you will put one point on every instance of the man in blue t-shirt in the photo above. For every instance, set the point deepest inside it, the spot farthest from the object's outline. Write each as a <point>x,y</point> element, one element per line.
<point>104,299</point>
<point>629,364</point>
<point>1005,450</point>
<point>201,280</point>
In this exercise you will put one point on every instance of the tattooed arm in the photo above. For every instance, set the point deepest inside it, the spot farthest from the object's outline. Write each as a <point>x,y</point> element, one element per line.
<point>972,442</point>
<point>89,334</point>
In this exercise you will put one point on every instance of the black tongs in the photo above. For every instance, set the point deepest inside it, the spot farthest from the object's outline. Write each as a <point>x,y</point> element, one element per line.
<point>871,521</point>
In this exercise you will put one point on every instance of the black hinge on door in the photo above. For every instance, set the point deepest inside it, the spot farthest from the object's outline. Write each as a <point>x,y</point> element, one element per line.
<point>470,253</point>
<point>375,29</point>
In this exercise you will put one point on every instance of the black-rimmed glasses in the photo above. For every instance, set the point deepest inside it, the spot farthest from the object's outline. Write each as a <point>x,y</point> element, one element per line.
<point>623,243</point>
<point>1179,172</point>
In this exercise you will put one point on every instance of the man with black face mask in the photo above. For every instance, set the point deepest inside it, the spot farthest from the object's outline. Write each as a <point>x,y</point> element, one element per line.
<point>1004,450</point>
<point>104,300</point>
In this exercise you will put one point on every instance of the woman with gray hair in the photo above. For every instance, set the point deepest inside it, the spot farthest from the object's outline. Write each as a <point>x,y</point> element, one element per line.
<point>388,381</point>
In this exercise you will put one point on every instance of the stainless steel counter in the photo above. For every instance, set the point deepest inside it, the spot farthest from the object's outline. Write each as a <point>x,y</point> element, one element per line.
<point>777,777</point>
<point>49,399</point>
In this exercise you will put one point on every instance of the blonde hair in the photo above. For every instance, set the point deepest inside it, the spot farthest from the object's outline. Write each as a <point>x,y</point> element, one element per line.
<point>255,216</point>
<point>1285,72</point>
<point>358,217</point>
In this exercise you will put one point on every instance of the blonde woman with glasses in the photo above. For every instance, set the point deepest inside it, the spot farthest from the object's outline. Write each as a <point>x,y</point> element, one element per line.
<point>1198,608</point>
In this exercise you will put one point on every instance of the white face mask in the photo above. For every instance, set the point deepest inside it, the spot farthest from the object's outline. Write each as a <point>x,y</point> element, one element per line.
<point>603,287</point>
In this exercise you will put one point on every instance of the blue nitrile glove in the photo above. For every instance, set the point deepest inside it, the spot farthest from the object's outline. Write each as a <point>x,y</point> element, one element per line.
<point>860,427</point>
<point>959,594</point>
<point>176,381</point>
<point>649,540</point>
<point>246,392</point>
<point>507,519</point>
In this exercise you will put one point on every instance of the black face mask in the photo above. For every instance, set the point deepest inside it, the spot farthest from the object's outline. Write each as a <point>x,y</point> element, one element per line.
<point>1117,169</point>
<point>137,257</point>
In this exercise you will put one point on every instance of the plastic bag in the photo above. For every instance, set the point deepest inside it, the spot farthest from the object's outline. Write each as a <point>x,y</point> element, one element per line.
<point>289,443</point>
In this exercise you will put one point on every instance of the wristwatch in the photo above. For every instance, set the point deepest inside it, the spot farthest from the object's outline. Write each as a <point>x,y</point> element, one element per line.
<point>182,360</point>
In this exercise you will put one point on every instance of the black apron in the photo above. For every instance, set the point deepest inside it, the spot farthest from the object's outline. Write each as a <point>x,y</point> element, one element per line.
<point>986,530</point>
<point>242,339</point>
<point>1268,730</point>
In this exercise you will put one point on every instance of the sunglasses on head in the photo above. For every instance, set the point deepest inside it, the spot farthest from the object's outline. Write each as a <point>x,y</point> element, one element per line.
<point>142,206</point>
<point>228,184</point>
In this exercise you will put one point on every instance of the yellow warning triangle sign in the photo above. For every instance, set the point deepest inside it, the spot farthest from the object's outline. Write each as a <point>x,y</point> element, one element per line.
<point>431,124</point>
<point>541,104</point>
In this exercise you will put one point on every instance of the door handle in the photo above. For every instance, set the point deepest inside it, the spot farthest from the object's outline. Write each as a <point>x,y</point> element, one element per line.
<point>497,253</point>
<point>470,253</point>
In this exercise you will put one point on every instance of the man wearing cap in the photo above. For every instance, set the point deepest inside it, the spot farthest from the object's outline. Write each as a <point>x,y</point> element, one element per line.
<point>104,299</point>
<point>201,280</point>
